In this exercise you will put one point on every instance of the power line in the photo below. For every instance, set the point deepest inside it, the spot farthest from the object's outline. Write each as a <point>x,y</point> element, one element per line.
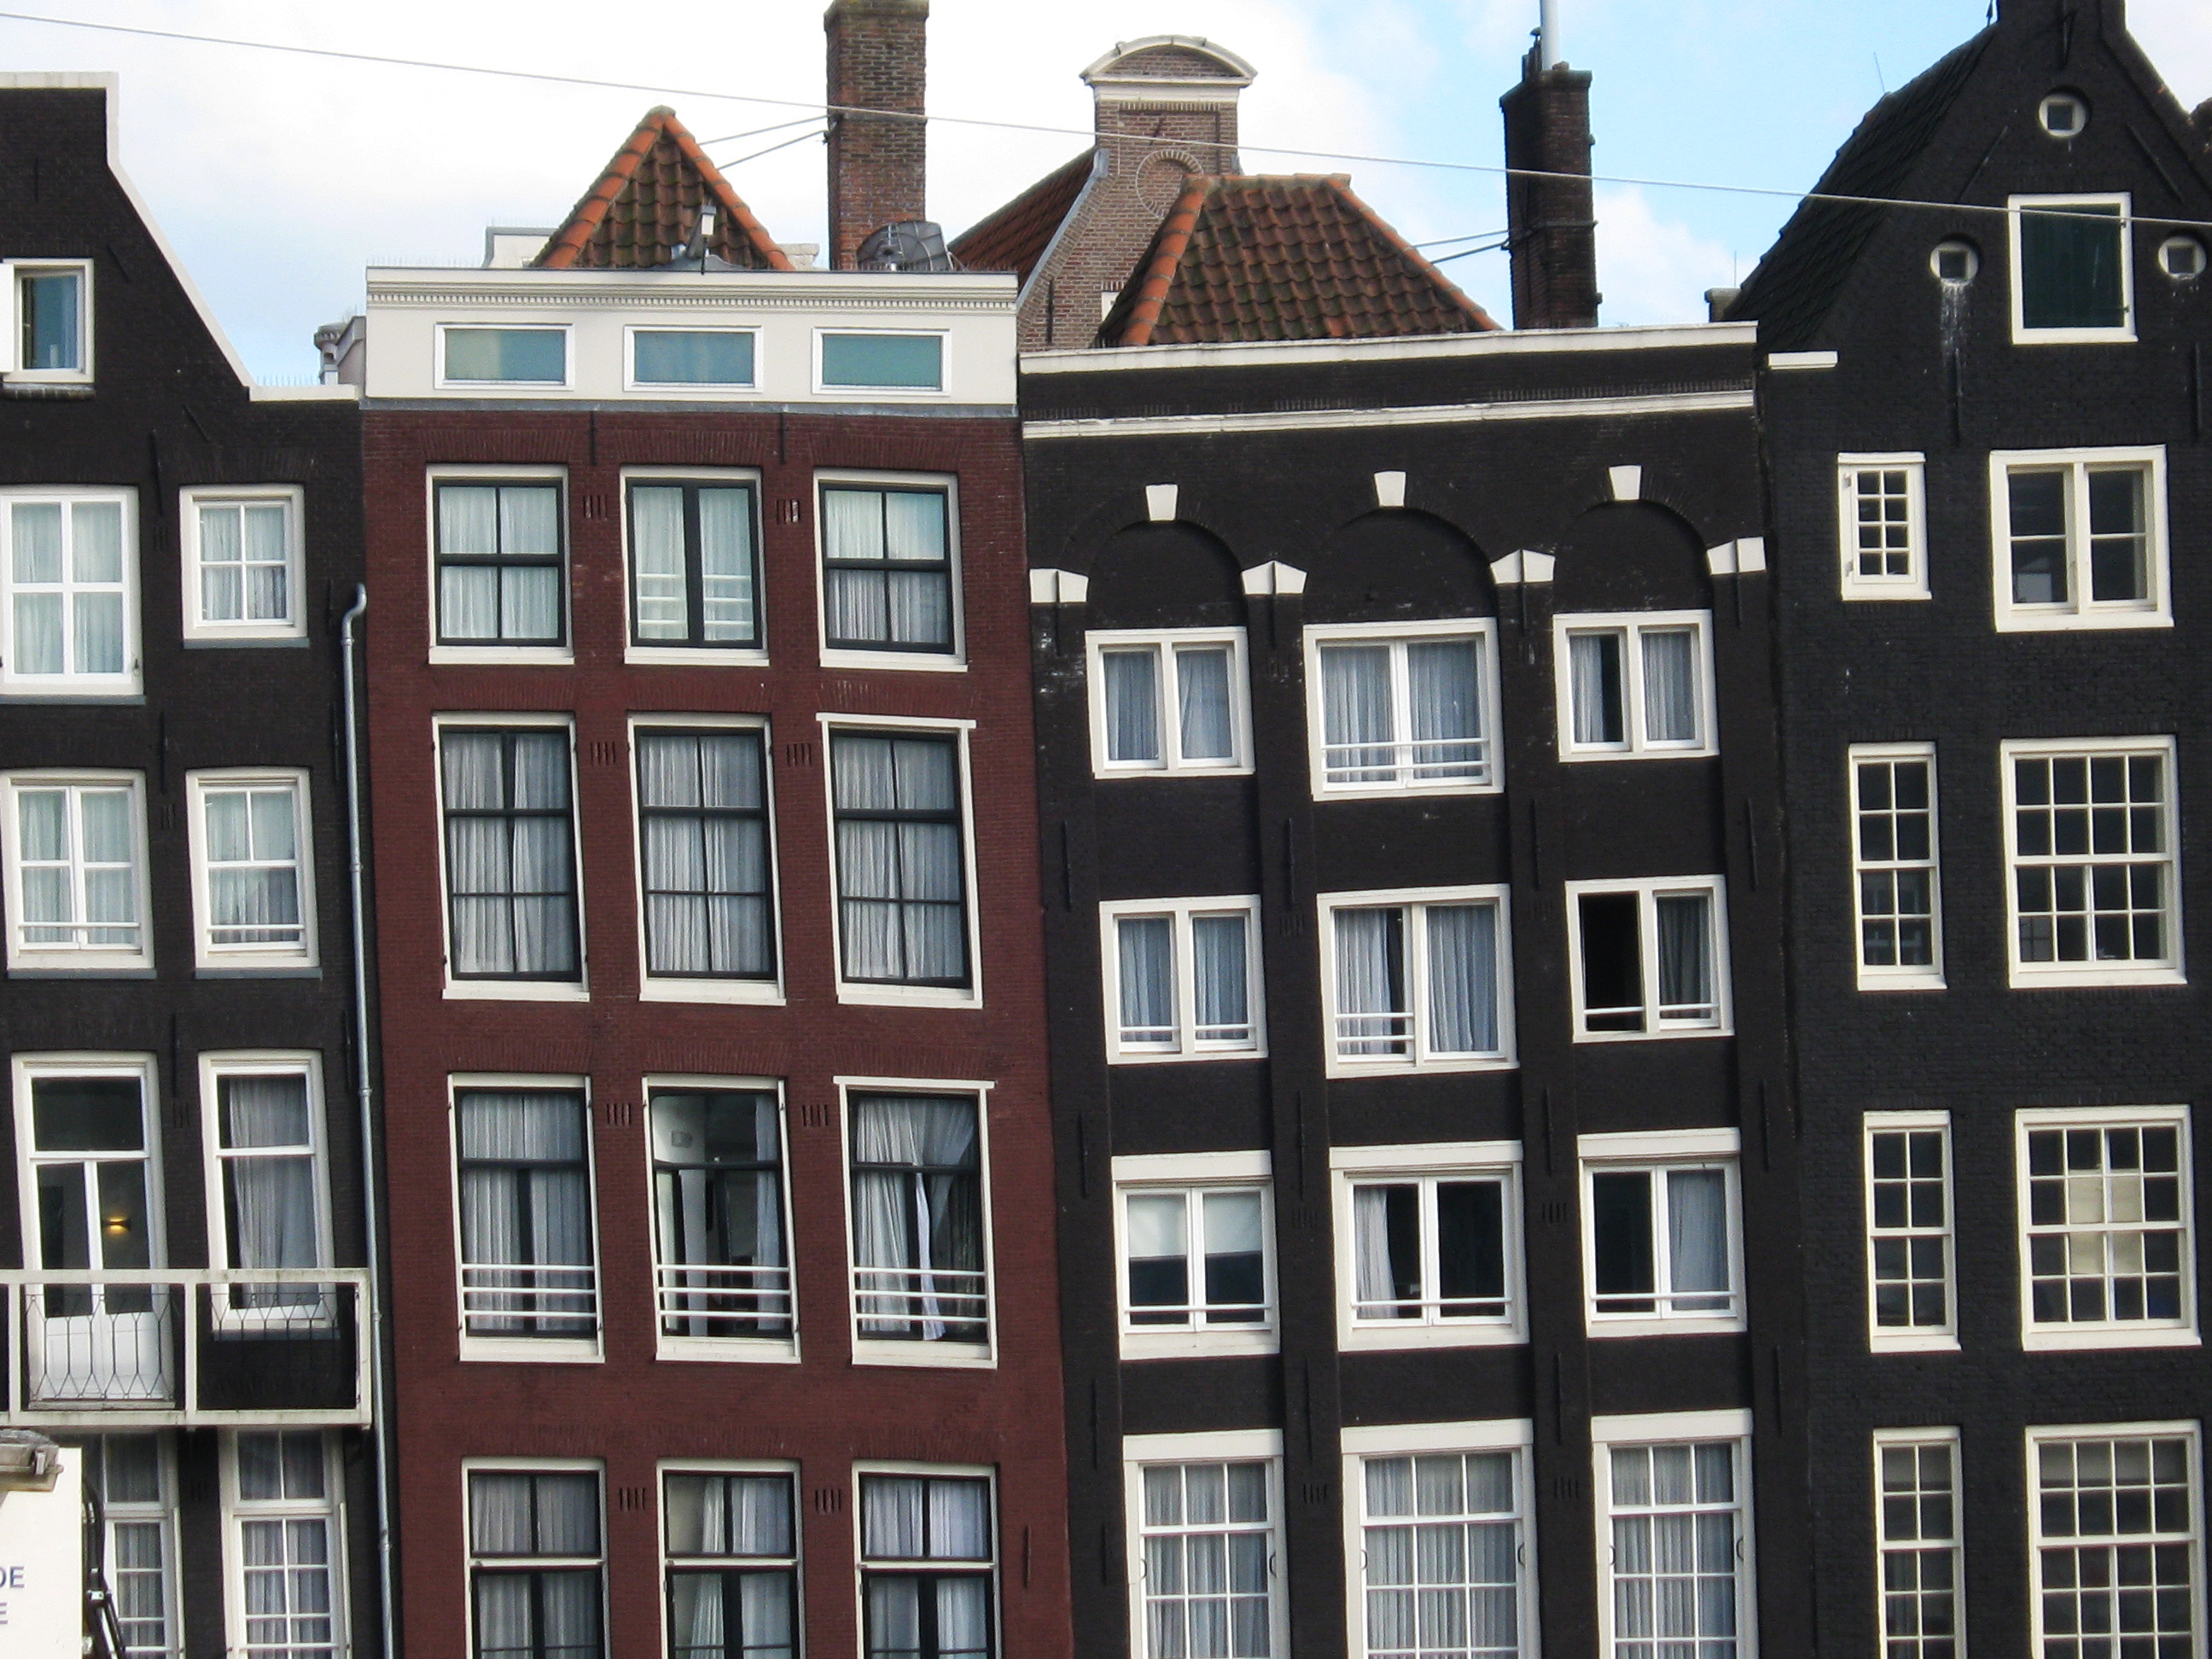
<point>1766,191</point>
<point>800,139</point>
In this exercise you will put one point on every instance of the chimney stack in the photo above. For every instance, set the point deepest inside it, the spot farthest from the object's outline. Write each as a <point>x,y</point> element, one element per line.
<point>877,60</point>
<point>1551,226</point>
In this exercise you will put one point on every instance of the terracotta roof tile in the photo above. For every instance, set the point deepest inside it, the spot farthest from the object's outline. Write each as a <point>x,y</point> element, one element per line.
<point>640,213</point>
<point>1295,257</point>
<point>1015,237</point>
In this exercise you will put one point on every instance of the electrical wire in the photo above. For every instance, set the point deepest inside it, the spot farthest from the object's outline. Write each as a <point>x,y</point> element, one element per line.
<point>770,150</point>
<point>1632,182</point>
<point>755,132</point>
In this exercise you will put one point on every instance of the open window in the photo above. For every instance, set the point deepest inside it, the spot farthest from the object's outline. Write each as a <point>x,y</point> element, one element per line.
<point>2073,279</point>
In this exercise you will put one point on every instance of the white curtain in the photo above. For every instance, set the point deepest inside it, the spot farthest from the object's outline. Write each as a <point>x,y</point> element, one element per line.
<point>1370,983</point>
<point>222,554</point>
<point>729,1515</point>
<point>706,871</point>
<point>468,595</point>
<point>759,1626</point>
<point>1157,1239</point>
<point>917,1203</point>
<point>1697,1238</point>
<point>42,829</point>
<point>1148,978</point>
<point>900,881</point>
<point>1462,978</point>
<point>35,539</point>
<point>1594,671</point>
<point>525,1203</point>
<point>96,644</point>
<point>959,1521</point>
<point>1443,683</point>
<point>726,565</point>
<point>1202,684</point>
<point>1685,954</point>
<point>259,903</point>
<point>508,858</point>
<point>111,878</point>
<point>891,1517</point>
<point>887,605</point>
<point>1375,1281</point>
<point>518,602</point>
<point>1132,703</point>
<point>1670,685</point>
<point>1219,958</point>
<point>1356,714</point>
<point>273,1220</point>
<point>267,561</point>
<point>656,534</point>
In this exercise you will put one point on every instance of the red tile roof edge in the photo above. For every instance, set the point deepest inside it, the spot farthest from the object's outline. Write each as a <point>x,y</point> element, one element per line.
<point>585,218</point>
<point>1484,322</point>
<point>1167,254</point>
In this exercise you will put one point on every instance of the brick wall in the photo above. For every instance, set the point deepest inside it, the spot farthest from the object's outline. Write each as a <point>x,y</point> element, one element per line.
<point>877,61</point>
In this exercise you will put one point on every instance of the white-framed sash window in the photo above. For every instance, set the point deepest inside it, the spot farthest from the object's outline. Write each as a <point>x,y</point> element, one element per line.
<point>1882,525</point>
<point>76,885</point>
<point>695,578</point>
<point>1403,707</point>
<point>903,845</point>
<point>1663,1236</point>
<point>1674,1550</point>
<point>253,871</point>
<point>2078,538</point>
<point>2115,1522</point>
<point>921,1240</point>
<point>1185,978</point>
<point>284,1544</point>
<point>69,576</point>
<point>45,321</point>
<point>1204,1532</point>
<point>243,549</point>
<point>500,575</point>
<point>1916,1553</point>
<point>1649,959</point>
<point>136,1476</point>
<point>1196,1237</point>
<point>2091,840</point>
<point>1897,881</point>
<point>1417,978</point>
<point>1428,1244</point>
<point>1912,1270</point>
<point>1635,685</point>
<point>1169,703</point>
<point>262,1123</point>
<point>528,1225</point>
<point>2073,268</point>
<point>706,859</point>
<point>2107,1209</point>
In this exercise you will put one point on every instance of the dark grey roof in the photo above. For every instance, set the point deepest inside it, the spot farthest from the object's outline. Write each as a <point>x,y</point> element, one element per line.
<point>1792,290</point>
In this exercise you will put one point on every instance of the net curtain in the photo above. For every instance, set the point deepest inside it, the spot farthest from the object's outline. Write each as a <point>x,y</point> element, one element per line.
<point>526,1192</point>
<point>900,880</point>
<point>508,855</point>
<point>270,1175</point>
<point>916,1204</point>
<point>706,868</point>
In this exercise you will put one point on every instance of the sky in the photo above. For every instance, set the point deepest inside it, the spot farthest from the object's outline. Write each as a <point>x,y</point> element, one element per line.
<point>278,177</point>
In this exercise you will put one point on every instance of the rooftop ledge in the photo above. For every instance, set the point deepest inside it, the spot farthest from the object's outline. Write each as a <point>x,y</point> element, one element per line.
<point>1502,343</point>
<point>833,288</point>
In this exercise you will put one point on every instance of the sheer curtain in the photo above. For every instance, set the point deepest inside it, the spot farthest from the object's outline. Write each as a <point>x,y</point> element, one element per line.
<point>468,594</point>
<point>1670,685</point>
<point>508,858</point>
<point>268,560</point>
<point>1356,716</point>
<point>110,858</point>
<point>96,575</point>
<point>919,602</point>
<point>706,853</point>
<point>656,539</point>
<point>1462,978</point>
<point>1219,961</point>
<point>1148,978</point>
<point>223,562</point>
<point>525,1203</point>
<point>256,901</point>
<point>1443,683</point>
<point>852,528</point>
<point>1594,671</point>
<point>268,1161</point>
<point>901,885</point>
<point>1686,955</point>
<point>1370,1241</point>
<point>1132,684</point>
<point>726,602</point>
<point>1371,1017</point>
<point>1697,1239</point>
<point>35,538</point>
<point>530,594</point>
<point>917,1204</point>
<point>1202,684</point>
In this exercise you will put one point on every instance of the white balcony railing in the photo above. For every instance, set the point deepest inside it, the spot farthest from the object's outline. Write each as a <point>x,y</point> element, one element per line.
<point>185,1346</point>
<point>919,1304</point>
<point>530,1302</point>
<point>723,1301</point>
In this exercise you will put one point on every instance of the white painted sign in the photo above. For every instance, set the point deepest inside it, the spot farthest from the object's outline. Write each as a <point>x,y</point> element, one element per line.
<point>42,1568</point>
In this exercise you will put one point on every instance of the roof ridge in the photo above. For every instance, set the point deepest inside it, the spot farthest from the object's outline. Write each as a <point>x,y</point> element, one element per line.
<point>566,245</point>
<point>1166,254</point>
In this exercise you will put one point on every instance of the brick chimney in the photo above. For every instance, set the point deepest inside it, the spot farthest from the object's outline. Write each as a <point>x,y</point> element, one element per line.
<point>877,60</point>
<point>1551,226</point>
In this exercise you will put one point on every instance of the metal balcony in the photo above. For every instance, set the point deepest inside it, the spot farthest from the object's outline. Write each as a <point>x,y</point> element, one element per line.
<point>186,1348</point>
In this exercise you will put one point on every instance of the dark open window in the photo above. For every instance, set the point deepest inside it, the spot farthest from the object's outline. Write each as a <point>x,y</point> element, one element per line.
<point>2073,269</point>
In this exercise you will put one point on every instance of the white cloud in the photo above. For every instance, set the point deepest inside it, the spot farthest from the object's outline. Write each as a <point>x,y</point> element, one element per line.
<point>1653,270</point>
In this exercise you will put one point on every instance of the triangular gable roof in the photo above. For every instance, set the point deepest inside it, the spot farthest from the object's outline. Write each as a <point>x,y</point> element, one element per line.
<point>1791,290</point>
<point>1015,236</point>
<point>1290,258</point>
<point>640,213</point>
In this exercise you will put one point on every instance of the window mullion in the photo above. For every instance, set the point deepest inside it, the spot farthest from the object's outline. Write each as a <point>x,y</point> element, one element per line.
<point>1402,712</point>
<point>1182,979</point>
<point>1167,708</point>
<point>1662,1260</point>
<point>1631,688</point>
<point>1416,935</point>
<point>1431,1252</point>
<point>1647,945</point>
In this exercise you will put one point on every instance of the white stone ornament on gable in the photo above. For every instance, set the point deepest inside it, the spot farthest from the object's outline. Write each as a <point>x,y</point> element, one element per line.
<point>1389,489</point>
<point>42,1567</point>
<point>1160,502</point>
<point>1274,577</point>
<point>1058,587</point>
<point>1627,483</point>
<point>1525,566</point>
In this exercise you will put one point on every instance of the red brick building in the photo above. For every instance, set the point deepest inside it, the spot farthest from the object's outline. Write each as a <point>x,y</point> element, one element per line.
<point>721,1191</point>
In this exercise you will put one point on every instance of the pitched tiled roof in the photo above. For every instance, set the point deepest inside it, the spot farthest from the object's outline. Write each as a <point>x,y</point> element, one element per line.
<point>1015,236</point>
<point>1793,288</point>
<point>642,211</point>
<point>1296,258</point>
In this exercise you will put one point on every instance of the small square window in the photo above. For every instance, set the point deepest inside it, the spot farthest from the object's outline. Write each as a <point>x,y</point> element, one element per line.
<point>2079,539</point>
<point>2181,258</point>
<point>1416,979</point>
<point>2062,115</point>
<point>1185,979</point>
<point>1635,686</point>
<point>242,566</point>
<point>50,340</point>
<point>881,362</point>
<point>1169,703</point>
<point>501,572</point>
<point>1661,1235</point>
<point>2071,268</point>
<point>1428,1245</point>
<point>1883,526</point>
<point>502,357</point>
<point>684,358</point>
<point>1650,959</point>
<point>889,577</point>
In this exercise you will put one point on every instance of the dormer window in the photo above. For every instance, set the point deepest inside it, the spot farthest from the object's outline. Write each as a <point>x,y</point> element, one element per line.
<point>51,337</point>
<point>2070,270</point>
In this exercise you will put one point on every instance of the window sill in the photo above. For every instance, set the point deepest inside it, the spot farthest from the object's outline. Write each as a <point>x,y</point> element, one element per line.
<point>909,996</point>
<point>2077,978</point>
<point>1376,1336</point>
<point>697,656</point>
<point>115,692</point>
<point>1873,979</point>
<point>212,641</point>
<point>1577,755</point>
<point>920,662</point>
<point>2076,622</point>
<point>1181,1057</point>
<point>1110,774</point>
<point>924,1356</point>
<point>2124,335</point>
<point>1197,1344</point>
<point>2073,1339</point>
<point>729,1349</point>
<point>131,967</point>
<point>1603,1328</point>
<point>1912,1342</point>
<point>79,385</point>
<point>264,971</point>
<point>1886,595</point>
<point>503,656</point>
<point>1324,792</point>
<point>1390,1066</point>
<point>754,993</point>
<point>515,990</point>
<point>532,1350</point>
<point>1667,1036</point>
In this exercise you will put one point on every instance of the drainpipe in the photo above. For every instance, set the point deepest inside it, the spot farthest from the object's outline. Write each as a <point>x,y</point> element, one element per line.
<point>381,1422</point>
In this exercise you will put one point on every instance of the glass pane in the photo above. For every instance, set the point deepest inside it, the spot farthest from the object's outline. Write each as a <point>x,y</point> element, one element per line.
<point>667,356</point>
<point>2069,267</point>
<point>903,361</point>
<point>537,356</point>
<point>51,305</point>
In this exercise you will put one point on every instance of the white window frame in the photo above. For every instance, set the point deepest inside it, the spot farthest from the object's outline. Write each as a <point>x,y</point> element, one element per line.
<point>1913,585</point>
<point>1656,1152</point>
<point>942,390</point>
<point>1649,890</point>
<point>512,388</point>
<point>1884,1547</point>
<point>456,989</point>
<point>1514,1436</point>
<point>1677,1428</point>
<point>26,961</point>
<point>1193,1173</point>
<point>953,661</point>
<point>697,656</point>
<point>669,988</point>
<point>715,390</point>
<point>24,1071</point>
<point>330,1510</point>
<point>492,652</point>
<point>471,1560</point>
<point>128,685</point>
<point>1631,625</point>
<point>291,629</point>
<point>307,1065</point>
<point>2107,1333</point>
<point>2080,610</point>
<point>161,1512</point>
<point>911,996</point>
<point>2024,976</point>
<point>527,1350</point>
<point>2015,206</point>
<point>212,959</point>
<point>1164,644</point>
<point>1895,976</point>
<point>1420,1057</point>
<point>11,322</point>
<point>1427,1163</point>
<point>1912,1339</point>
<point>1397,637</point>
<point>796,1561</point>
<point>1265,1446</point>
<point>2191,1432</point>
<point>861,1559</point>
<point>897,1353</point>
<point>1185,1045</point>
<point>754,1350</point>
